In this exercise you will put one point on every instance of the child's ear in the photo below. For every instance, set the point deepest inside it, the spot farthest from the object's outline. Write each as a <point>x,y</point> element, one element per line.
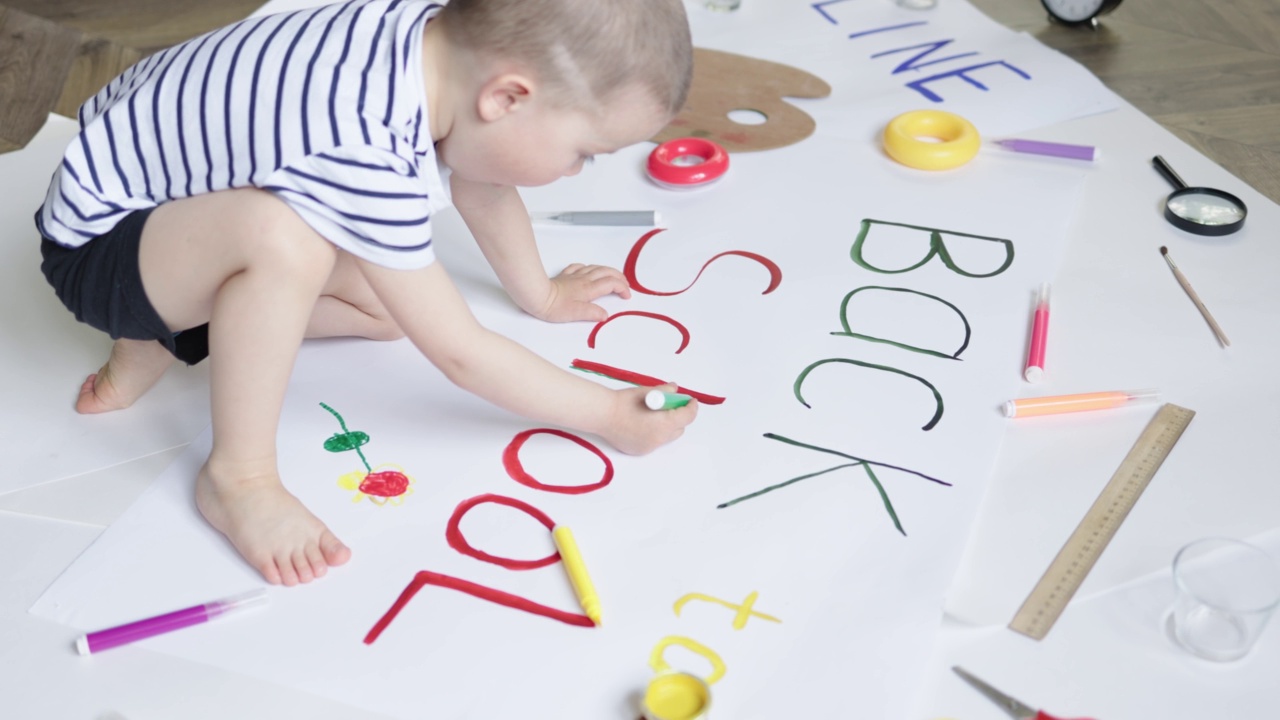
<point>504,94</point>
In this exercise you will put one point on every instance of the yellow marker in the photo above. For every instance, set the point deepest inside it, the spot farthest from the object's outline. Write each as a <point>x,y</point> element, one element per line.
<point>577,570</point>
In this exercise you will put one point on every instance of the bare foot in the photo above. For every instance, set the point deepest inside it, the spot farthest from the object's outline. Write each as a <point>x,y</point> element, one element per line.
<point>270,528</point>
<point>134,366</point>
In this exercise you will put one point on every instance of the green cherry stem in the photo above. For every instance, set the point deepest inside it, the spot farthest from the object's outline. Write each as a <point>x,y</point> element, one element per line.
<point>345,431</point>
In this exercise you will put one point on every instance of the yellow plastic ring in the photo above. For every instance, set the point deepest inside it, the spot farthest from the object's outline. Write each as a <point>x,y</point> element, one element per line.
<point>957,140</point>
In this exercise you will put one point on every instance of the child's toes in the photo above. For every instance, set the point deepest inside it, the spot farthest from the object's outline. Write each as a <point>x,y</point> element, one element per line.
<point>315,559</point>
<point>268,569</point>
<point>302,566</point>
<point>335,553</point>
<point>88,402</point>
<point>288,576</point>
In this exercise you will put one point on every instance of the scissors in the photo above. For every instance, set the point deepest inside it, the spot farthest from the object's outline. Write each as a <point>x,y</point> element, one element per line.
<point>1016,709</point>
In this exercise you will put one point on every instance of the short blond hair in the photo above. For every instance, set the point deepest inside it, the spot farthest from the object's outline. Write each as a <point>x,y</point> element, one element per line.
<point>585,49</point>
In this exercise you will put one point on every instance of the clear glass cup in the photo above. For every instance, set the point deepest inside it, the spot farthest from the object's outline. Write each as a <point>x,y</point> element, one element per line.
<point>917,4</point>
<point>1226,591</point>
<point>723,5</point>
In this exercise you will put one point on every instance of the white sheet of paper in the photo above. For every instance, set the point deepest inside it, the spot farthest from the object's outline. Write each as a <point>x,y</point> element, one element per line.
<point>822,553</point>
<point>859,601</point>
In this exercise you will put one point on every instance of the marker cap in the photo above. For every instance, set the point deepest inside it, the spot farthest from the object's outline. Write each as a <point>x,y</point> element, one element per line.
<point>659,400</point>
<point>243,601</point>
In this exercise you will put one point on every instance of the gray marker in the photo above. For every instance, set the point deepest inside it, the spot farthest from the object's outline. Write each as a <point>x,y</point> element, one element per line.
<point>646,218</point>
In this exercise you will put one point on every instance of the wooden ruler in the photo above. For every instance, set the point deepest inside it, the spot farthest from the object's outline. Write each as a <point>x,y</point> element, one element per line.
<point>1077,557</point>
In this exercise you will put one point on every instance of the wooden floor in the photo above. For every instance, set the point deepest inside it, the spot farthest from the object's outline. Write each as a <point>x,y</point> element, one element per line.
<point>1208,70</point>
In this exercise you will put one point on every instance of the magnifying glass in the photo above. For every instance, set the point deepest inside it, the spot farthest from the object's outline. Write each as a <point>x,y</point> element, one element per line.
<point>1200,210</point>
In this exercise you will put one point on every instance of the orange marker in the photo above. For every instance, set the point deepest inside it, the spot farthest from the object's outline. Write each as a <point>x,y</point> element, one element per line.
<point>1055,404</point>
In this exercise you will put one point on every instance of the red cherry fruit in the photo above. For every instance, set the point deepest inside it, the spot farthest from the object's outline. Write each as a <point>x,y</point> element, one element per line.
<point>387,483</point>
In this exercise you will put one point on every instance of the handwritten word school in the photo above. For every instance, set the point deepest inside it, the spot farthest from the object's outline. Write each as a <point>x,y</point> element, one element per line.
<point>923,52</point>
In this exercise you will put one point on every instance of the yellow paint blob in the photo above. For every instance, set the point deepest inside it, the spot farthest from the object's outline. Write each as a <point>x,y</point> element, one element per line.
<point>676,696</point>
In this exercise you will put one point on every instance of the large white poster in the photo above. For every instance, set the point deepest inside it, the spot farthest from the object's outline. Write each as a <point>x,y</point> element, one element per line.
<point>851,327</point>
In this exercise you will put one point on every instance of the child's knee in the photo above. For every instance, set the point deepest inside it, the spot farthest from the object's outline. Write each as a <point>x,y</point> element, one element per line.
<point>384,329</point>
<point>282,241</point>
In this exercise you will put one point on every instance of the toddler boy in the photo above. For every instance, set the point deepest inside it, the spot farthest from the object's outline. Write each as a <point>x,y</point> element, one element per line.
<point>276,179</point>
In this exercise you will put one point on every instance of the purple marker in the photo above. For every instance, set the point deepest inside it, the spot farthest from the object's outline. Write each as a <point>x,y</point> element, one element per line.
<point>142,629</point>
<point>1075,152</point>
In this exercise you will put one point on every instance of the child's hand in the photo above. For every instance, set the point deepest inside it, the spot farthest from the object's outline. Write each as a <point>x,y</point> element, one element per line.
<point>637,430</point>
<point>574,289</point>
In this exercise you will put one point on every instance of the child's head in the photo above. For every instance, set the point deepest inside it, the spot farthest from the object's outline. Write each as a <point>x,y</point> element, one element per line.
<point>583,51</point>
<point>546,84</point>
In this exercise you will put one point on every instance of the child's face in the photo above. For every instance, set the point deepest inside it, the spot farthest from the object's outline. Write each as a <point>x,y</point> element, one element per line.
<point>543,142</point>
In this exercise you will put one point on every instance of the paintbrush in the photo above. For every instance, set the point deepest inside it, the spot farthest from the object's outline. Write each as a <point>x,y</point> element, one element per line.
<point>1186,285</point>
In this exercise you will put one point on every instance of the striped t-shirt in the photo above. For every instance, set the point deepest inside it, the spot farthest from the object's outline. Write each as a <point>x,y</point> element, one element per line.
<point>323,107</point>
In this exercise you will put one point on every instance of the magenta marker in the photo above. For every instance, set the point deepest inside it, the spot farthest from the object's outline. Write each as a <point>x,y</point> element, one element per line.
<point>1034,370</point>
<point>1037,147</point>
<point>101,640</point>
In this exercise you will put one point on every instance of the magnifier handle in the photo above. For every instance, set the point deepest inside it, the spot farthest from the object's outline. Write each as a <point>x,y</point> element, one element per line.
<point>1163,168</point>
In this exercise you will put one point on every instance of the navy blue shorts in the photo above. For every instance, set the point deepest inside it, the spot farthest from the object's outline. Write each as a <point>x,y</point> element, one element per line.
<point>101,284</point>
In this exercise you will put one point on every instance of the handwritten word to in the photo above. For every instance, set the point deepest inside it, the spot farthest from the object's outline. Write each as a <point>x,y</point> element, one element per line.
<point>922,53</point>
<point>743,611</point>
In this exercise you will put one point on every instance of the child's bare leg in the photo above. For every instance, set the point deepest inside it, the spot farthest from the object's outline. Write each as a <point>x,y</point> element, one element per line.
<point>348,307</point>
<point>245,263</point>
<point>134,366</point>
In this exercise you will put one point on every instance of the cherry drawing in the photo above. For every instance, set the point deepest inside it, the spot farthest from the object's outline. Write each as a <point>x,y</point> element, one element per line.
<point>385,484</point>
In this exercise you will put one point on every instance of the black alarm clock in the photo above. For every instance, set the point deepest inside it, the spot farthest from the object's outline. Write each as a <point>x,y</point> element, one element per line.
<point>1077,13</point>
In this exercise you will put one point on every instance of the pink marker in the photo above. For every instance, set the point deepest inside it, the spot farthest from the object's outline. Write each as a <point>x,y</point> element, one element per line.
<point>161,624</point>
<point>1039,338</point>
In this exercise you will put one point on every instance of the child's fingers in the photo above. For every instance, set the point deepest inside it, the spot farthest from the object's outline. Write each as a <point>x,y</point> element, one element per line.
<point>686,414</point>
<point>596,272</point>
<point>611,285</point>
<point>578,310</point>
<point>599,284</point>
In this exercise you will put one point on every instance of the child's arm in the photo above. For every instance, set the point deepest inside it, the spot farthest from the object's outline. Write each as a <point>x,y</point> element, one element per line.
<point>497,218</point>
<point>433,314</point>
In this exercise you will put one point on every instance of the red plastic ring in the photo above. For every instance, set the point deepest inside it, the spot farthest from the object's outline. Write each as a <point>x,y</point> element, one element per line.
<point>665,171</point>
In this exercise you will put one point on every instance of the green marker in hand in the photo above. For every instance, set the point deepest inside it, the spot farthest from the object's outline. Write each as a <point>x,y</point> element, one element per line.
<point>659,400</point>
